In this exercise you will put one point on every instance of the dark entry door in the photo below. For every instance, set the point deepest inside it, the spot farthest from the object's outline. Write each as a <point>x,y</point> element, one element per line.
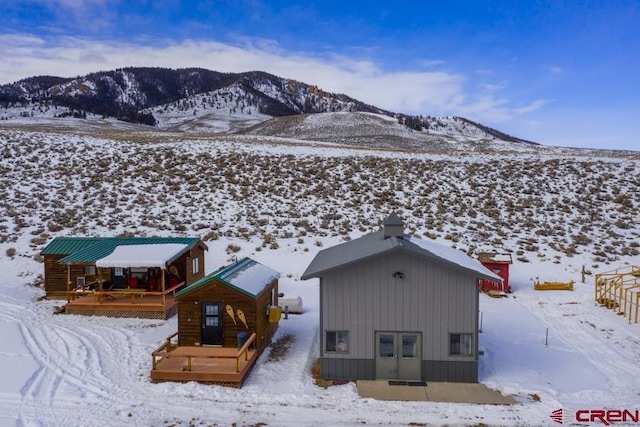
<point>117,278</point>
<point>211,323</point>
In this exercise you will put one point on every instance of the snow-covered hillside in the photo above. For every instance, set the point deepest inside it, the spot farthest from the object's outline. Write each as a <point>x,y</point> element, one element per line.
<point>220,111</point>
<point>372,130</point>
<point>280,201</point>
<point>203,101</point>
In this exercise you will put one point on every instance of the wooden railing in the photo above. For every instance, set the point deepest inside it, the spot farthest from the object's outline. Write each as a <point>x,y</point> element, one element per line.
<point>164,349</point>
<point>114,293</point>
<point>169,349</point>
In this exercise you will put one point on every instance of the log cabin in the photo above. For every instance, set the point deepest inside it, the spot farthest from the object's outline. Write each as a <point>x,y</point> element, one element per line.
<point>121,276</point>
<point>225,321</point>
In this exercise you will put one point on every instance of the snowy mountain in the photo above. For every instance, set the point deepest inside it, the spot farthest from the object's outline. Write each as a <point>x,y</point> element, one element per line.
<point>123,93</point>
<point>202,101</point>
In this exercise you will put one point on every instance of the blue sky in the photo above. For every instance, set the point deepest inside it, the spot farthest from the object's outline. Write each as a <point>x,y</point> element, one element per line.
<point>556,72</point>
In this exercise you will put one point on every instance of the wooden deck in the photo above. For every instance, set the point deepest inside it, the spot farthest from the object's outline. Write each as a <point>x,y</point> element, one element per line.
<point>123,304</point>
<point>214,365</point>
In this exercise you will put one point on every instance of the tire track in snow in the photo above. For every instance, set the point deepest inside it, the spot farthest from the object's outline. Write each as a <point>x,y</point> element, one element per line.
<point>77,366</point>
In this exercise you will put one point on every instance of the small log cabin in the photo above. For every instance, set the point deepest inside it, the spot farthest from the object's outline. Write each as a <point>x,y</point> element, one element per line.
<point>111,275</point>
<point>228,305</point>
<point>225,321</point>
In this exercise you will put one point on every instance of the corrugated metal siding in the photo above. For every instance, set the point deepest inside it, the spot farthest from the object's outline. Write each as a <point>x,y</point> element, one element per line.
<point>433,298</point>
<point>347,369</point>
<point>450,371</point>
<point>365,369</point>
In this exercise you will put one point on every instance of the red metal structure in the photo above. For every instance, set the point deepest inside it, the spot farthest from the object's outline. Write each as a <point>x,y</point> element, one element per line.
<point>499,264</point>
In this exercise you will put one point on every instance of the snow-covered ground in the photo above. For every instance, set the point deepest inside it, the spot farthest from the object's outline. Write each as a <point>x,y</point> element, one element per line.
<point>79,371</point>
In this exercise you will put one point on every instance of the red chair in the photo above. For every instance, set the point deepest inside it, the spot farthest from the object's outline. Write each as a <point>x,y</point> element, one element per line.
<point>173,282</point>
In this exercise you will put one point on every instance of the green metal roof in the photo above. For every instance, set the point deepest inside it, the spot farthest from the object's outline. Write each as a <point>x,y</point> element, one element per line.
<point>89,249</point>
<point>69,245</point>
<point>246,276</point>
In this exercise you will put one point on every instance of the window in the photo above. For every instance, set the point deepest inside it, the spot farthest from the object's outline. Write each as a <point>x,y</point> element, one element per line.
<point>460,344</point>
<point>211,310</point>
<point>195,267</point>
<point>89,270</point>
<point>387,345</point>
<point>337,341</point>
<point>409,346</point>
<point>118,271</point>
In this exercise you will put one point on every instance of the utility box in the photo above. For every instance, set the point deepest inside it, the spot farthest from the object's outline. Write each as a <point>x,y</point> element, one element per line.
<point>294,304</point>
<point>275,313</point>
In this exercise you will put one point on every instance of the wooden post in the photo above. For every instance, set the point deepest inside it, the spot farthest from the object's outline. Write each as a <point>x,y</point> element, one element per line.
<point>68,283</point>
<point>546,338</point>
<point>164,296</point>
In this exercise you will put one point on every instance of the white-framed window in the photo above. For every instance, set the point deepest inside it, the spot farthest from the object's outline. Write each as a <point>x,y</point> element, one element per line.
<point>337,341</point>
<point>118,271</point>
<point>89,270</point>
<point>195,265</point>
<point>460,344</point>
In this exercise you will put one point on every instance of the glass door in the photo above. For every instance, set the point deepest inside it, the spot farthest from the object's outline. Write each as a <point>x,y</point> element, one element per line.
<point>399,355</point>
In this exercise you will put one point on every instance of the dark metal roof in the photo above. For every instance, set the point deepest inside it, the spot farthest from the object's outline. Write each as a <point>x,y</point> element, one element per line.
<point>375,244</point>
<point>246,276</point>
<point>85,250</point>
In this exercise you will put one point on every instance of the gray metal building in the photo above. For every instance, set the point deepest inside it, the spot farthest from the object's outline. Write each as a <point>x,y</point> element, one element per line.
<point>393,306</point>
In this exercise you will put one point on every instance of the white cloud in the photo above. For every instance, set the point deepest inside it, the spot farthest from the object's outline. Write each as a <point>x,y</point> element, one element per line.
<point>535,105</point>
<point>91,15</point>
<point>555,69</point>
<point>75,4</point>
<point>429,63</point>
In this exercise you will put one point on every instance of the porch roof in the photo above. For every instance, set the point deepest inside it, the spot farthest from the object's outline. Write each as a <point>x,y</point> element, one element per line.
<point>153,255</point>
<point>105,246</point>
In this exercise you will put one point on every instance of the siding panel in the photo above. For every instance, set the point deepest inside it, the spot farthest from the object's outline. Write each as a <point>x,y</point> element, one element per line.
<point>433,298</point>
